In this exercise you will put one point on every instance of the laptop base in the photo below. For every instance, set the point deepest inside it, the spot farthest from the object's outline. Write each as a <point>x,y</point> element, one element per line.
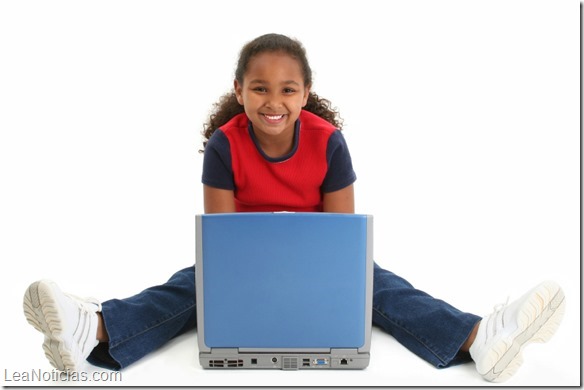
<point>232,358</point>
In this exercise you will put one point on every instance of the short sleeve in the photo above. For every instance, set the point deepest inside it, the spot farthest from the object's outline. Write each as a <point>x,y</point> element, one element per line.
<point>340,173</point>
<point>217,170</point>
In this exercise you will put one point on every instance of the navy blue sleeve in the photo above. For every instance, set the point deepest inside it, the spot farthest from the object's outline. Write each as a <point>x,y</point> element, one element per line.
<point>217,170</point>
<point>340,173</point>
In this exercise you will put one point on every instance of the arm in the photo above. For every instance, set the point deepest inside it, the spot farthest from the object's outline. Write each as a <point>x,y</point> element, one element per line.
<point>217,200</point>
<point>337,188</point>
<point>341,201</point>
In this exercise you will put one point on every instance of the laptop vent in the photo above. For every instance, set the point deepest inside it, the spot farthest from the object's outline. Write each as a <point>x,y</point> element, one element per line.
<point>290,363</point>
<point>232,363</point>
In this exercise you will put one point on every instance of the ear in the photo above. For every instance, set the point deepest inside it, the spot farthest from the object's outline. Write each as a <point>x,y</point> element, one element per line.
<point>306,95</point>
<point>238,88</point>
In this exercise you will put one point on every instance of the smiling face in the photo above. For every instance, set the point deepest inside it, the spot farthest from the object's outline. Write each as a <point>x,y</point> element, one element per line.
<point>273,94</point>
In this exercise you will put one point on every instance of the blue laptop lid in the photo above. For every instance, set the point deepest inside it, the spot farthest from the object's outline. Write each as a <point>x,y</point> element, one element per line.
<point>283,280</point>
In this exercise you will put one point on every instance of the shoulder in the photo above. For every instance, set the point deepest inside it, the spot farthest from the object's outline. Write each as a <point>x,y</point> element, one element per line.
<point>319,127</point>
<point>217,170</point>
<point>340,165</point>
<point>235,124</point>
<point>313,122</point>
<point>217,141</point>
<point>337,148</point>
<point>337,140</point>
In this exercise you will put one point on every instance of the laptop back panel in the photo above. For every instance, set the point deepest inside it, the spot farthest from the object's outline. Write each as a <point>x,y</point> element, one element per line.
<point>276,287</point>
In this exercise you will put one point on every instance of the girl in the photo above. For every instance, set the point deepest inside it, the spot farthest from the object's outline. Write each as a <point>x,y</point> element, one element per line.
<point>273,145</point>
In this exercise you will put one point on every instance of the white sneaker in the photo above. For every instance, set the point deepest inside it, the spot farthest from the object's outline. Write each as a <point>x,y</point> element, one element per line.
<point>69,323</point>
<point>502,335</point>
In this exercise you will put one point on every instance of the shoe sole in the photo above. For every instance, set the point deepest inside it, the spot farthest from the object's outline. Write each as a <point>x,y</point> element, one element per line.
<point>42,312</point>
<point>538,320</point>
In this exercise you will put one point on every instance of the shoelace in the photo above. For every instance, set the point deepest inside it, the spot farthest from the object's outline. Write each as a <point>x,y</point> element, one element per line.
<point>85,302</point>
<point>84,340</point>
<point>500,306</point>
<point>496,317</point>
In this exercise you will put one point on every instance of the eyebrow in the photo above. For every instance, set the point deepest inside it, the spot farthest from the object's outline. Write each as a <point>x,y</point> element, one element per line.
<point>287,82</point>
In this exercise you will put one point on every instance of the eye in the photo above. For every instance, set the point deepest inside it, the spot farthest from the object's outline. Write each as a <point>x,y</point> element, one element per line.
<point>260,89</point>
<point>289,90</point>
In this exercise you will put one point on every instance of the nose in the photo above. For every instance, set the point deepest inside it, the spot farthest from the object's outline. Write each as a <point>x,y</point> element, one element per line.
<point>274,101</point>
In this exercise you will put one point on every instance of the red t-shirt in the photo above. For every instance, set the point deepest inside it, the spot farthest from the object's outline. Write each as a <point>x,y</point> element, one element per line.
<point>319,162</point>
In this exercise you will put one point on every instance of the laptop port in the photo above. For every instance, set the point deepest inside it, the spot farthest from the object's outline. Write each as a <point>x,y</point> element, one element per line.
<point>254,361</point>
<point>305,362</point>
<point>320,362</point>
<point>344,362</point>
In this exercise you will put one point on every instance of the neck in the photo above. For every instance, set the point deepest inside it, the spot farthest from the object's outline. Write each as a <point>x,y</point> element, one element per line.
<point>277,145</point>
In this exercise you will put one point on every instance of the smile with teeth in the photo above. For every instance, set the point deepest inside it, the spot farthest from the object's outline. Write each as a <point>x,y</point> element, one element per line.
<point>273,117</point>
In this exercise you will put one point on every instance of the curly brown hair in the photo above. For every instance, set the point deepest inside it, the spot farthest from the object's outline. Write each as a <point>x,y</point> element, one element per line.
<point>227,107</point>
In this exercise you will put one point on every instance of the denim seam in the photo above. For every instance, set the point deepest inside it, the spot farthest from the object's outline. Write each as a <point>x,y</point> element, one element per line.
<point>113,344</point>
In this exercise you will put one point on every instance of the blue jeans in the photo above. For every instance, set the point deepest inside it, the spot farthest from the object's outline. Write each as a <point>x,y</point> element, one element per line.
<point>429,327</point>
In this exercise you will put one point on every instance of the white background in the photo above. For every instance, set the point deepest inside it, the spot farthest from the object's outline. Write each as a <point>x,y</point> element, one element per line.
<point>462,118</point>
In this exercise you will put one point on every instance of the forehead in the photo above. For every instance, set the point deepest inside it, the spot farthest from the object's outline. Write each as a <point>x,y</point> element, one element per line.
<point>273,66</point>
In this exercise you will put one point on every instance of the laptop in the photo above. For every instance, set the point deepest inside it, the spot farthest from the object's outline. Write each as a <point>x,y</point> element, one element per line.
<point>284,290</point>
